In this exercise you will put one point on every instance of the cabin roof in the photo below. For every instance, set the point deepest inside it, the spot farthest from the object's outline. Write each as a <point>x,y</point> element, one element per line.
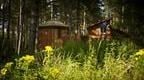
<point>94,25</point>
<point>53,24</point>
<point>97,24</point>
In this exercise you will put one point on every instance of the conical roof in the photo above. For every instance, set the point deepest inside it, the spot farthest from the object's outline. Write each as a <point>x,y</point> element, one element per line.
<point>54,24</point>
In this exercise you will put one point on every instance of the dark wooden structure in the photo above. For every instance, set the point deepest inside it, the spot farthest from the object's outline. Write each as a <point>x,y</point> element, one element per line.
<point>52,33</point>
<point>95,31</point>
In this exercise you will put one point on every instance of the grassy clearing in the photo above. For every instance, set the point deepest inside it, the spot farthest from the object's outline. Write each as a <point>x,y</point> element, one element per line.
<point>95,60</point>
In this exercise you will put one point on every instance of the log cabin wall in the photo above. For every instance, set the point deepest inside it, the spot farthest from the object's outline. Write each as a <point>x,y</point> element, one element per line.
<point>95,32</point>
<point>52,33</point>
<point>45,37</point>
<point>51,37</point>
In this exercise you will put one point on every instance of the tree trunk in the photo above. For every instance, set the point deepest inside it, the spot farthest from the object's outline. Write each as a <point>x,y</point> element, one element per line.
<point>3,17</point>
<point>34,26</point>
<point>78,15</point>
<point>9,19</point>
<point>20,28</point>
<point>3,25</point>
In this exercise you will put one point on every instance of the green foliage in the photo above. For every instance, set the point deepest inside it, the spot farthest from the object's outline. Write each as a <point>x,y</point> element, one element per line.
<point>75,48</point>
<point>119,61</point>
<point>128,17</point>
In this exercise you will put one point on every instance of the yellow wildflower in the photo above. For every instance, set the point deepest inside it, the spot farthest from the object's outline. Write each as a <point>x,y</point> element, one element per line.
<point>27,58</point>
<point>54,72</point>
<point>3,71</point>
<point>49,50</point>
<point>140,52</point>
<point>136,58</point>
<point>8,65</point>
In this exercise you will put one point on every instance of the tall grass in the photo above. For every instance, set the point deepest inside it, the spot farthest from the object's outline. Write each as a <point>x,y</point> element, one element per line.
<point>94,60</point>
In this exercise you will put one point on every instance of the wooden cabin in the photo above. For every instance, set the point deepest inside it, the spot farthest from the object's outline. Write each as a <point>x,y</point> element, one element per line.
<point>52,33</point>
<point>95,31</point>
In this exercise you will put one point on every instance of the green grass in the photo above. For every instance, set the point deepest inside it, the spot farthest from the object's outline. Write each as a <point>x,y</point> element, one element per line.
<point>94,60</point>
